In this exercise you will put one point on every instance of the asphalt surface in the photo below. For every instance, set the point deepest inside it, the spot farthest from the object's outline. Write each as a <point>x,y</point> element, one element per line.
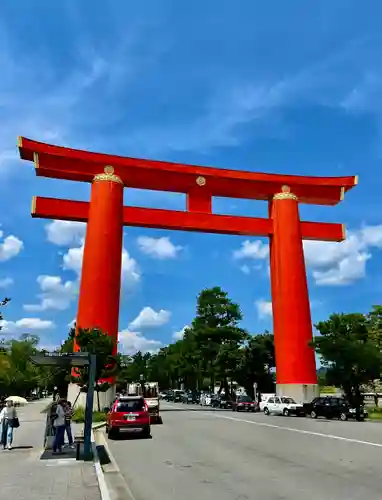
<point>209,454</point>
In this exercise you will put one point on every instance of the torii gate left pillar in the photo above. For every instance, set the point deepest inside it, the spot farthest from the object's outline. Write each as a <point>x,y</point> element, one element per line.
<point>101,266</point>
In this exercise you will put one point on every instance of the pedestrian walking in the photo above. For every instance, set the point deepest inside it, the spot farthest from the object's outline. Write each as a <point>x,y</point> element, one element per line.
<point>68,423</point>
<point>59,425</point>
<point>8,422</point>
<point>55,392</point>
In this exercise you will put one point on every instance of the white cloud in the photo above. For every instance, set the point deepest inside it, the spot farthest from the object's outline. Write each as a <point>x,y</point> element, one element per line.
<point>180,334</point>
<point>335,264</point>
<point>130,269</point>
<point>264,308</point>
<point>149,318</point>
<point>25,325</point>
<point>56,294</point>
<point>132,342</point>
<point>330,263</point>
<point>5,282</point>
<point>9,247</point>
<point>245,269</point>
<point>72,323</point>
<point>158,248</point>
<point>48,106</point>
<point>257,250</point>
<point>65,233</point>
<point>72,261</point>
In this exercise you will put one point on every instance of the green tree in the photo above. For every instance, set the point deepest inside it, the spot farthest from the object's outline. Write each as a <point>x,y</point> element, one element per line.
<point>18,376</point>
<point>349,352</point>
<point>374,319</point>
<point>94,341</point>
<point>160,368</point>
<point>254,364</point>
<point>215,325</point>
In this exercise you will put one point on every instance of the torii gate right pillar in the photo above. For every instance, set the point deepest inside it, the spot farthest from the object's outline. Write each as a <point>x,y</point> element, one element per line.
<point>296,374</point>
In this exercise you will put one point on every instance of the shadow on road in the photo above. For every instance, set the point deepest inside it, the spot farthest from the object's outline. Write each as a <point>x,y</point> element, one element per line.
<point>129,436</point>
<point>187,408</point>
<point>66,453</point>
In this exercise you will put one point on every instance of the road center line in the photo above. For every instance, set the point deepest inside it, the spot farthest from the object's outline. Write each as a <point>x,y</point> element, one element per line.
<point>299,431</point>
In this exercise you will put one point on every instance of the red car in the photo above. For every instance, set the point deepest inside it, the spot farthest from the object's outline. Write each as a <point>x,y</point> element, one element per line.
<point>245,403</point>
<point>128,413</point>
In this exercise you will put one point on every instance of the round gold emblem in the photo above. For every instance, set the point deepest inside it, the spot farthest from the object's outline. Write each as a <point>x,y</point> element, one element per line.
<point>108,169</point>
<point>201,181</point>
<point>285,189</point>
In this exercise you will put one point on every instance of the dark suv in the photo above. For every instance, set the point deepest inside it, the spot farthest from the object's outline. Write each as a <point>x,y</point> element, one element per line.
<point>220,401</point>
<point>331,407</point>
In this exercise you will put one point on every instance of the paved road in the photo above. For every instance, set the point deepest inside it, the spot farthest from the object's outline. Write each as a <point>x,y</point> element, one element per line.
<point>221,455</point>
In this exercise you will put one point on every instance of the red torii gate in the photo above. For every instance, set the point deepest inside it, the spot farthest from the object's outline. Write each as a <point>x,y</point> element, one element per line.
<point>105,216</point>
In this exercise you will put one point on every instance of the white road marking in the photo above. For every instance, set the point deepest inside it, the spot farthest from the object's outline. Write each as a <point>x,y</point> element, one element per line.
<point>299,431</point>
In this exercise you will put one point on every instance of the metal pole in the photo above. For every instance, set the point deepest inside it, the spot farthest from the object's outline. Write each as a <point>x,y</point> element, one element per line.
<point>89,408</point>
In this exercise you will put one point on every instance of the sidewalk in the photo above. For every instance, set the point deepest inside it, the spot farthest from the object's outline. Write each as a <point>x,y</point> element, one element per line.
<point>27,473</point>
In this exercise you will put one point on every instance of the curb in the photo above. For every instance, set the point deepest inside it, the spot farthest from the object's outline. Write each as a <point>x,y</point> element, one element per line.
<point>115,483</point>
<point>98,426</point>
<point>104,490</point>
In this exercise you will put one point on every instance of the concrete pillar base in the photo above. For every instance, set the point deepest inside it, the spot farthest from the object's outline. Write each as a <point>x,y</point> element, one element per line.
<point>105,398</point>
<point>301,393</point>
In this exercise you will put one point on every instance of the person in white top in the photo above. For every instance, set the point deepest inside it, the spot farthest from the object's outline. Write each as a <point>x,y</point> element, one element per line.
<point>8,418</point>
<point>59,425</point>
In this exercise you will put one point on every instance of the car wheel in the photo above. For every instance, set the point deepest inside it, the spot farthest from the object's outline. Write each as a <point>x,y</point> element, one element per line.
<point>266,411</point>
<point>286,412</point>
<point>343,417</point>
<point>147,433</point>
<point>313,414</point>
<point>113,433</point>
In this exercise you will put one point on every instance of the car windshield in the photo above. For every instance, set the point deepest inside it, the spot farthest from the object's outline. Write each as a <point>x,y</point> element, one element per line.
<point>288,401</point>
<point>245,399</point>
<point>130,405</point>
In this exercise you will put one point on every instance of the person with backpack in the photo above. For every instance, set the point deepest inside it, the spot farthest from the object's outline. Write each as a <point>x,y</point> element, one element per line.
<point>59,425</point>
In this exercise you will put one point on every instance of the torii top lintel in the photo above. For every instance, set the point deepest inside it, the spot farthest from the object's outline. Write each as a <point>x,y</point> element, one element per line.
<point>73,164</point>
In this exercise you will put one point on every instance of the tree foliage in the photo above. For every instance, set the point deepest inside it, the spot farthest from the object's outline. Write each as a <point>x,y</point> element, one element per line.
<point>350,349</point>
<point>214,349</point>
<point>95,341</point>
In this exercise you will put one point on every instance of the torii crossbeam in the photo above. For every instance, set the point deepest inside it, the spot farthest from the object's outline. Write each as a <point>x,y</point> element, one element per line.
<point>105,216</point>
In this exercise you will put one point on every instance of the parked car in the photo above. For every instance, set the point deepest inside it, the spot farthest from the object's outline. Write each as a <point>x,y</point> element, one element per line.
<point>283,406</point>
<point>332,407</point>
<point>169,396</point>
<point>128,413</point>
<point>190,397</point>
<point>245,403</point>
<point>178,395</point>
<point>264,400</point>
<point>205,399</point>
<point>221,401</point>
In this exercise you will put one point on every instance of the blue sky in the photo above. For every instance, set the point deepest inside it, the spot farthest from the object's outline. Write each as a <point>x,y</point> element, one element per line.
<point>289,87</point>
